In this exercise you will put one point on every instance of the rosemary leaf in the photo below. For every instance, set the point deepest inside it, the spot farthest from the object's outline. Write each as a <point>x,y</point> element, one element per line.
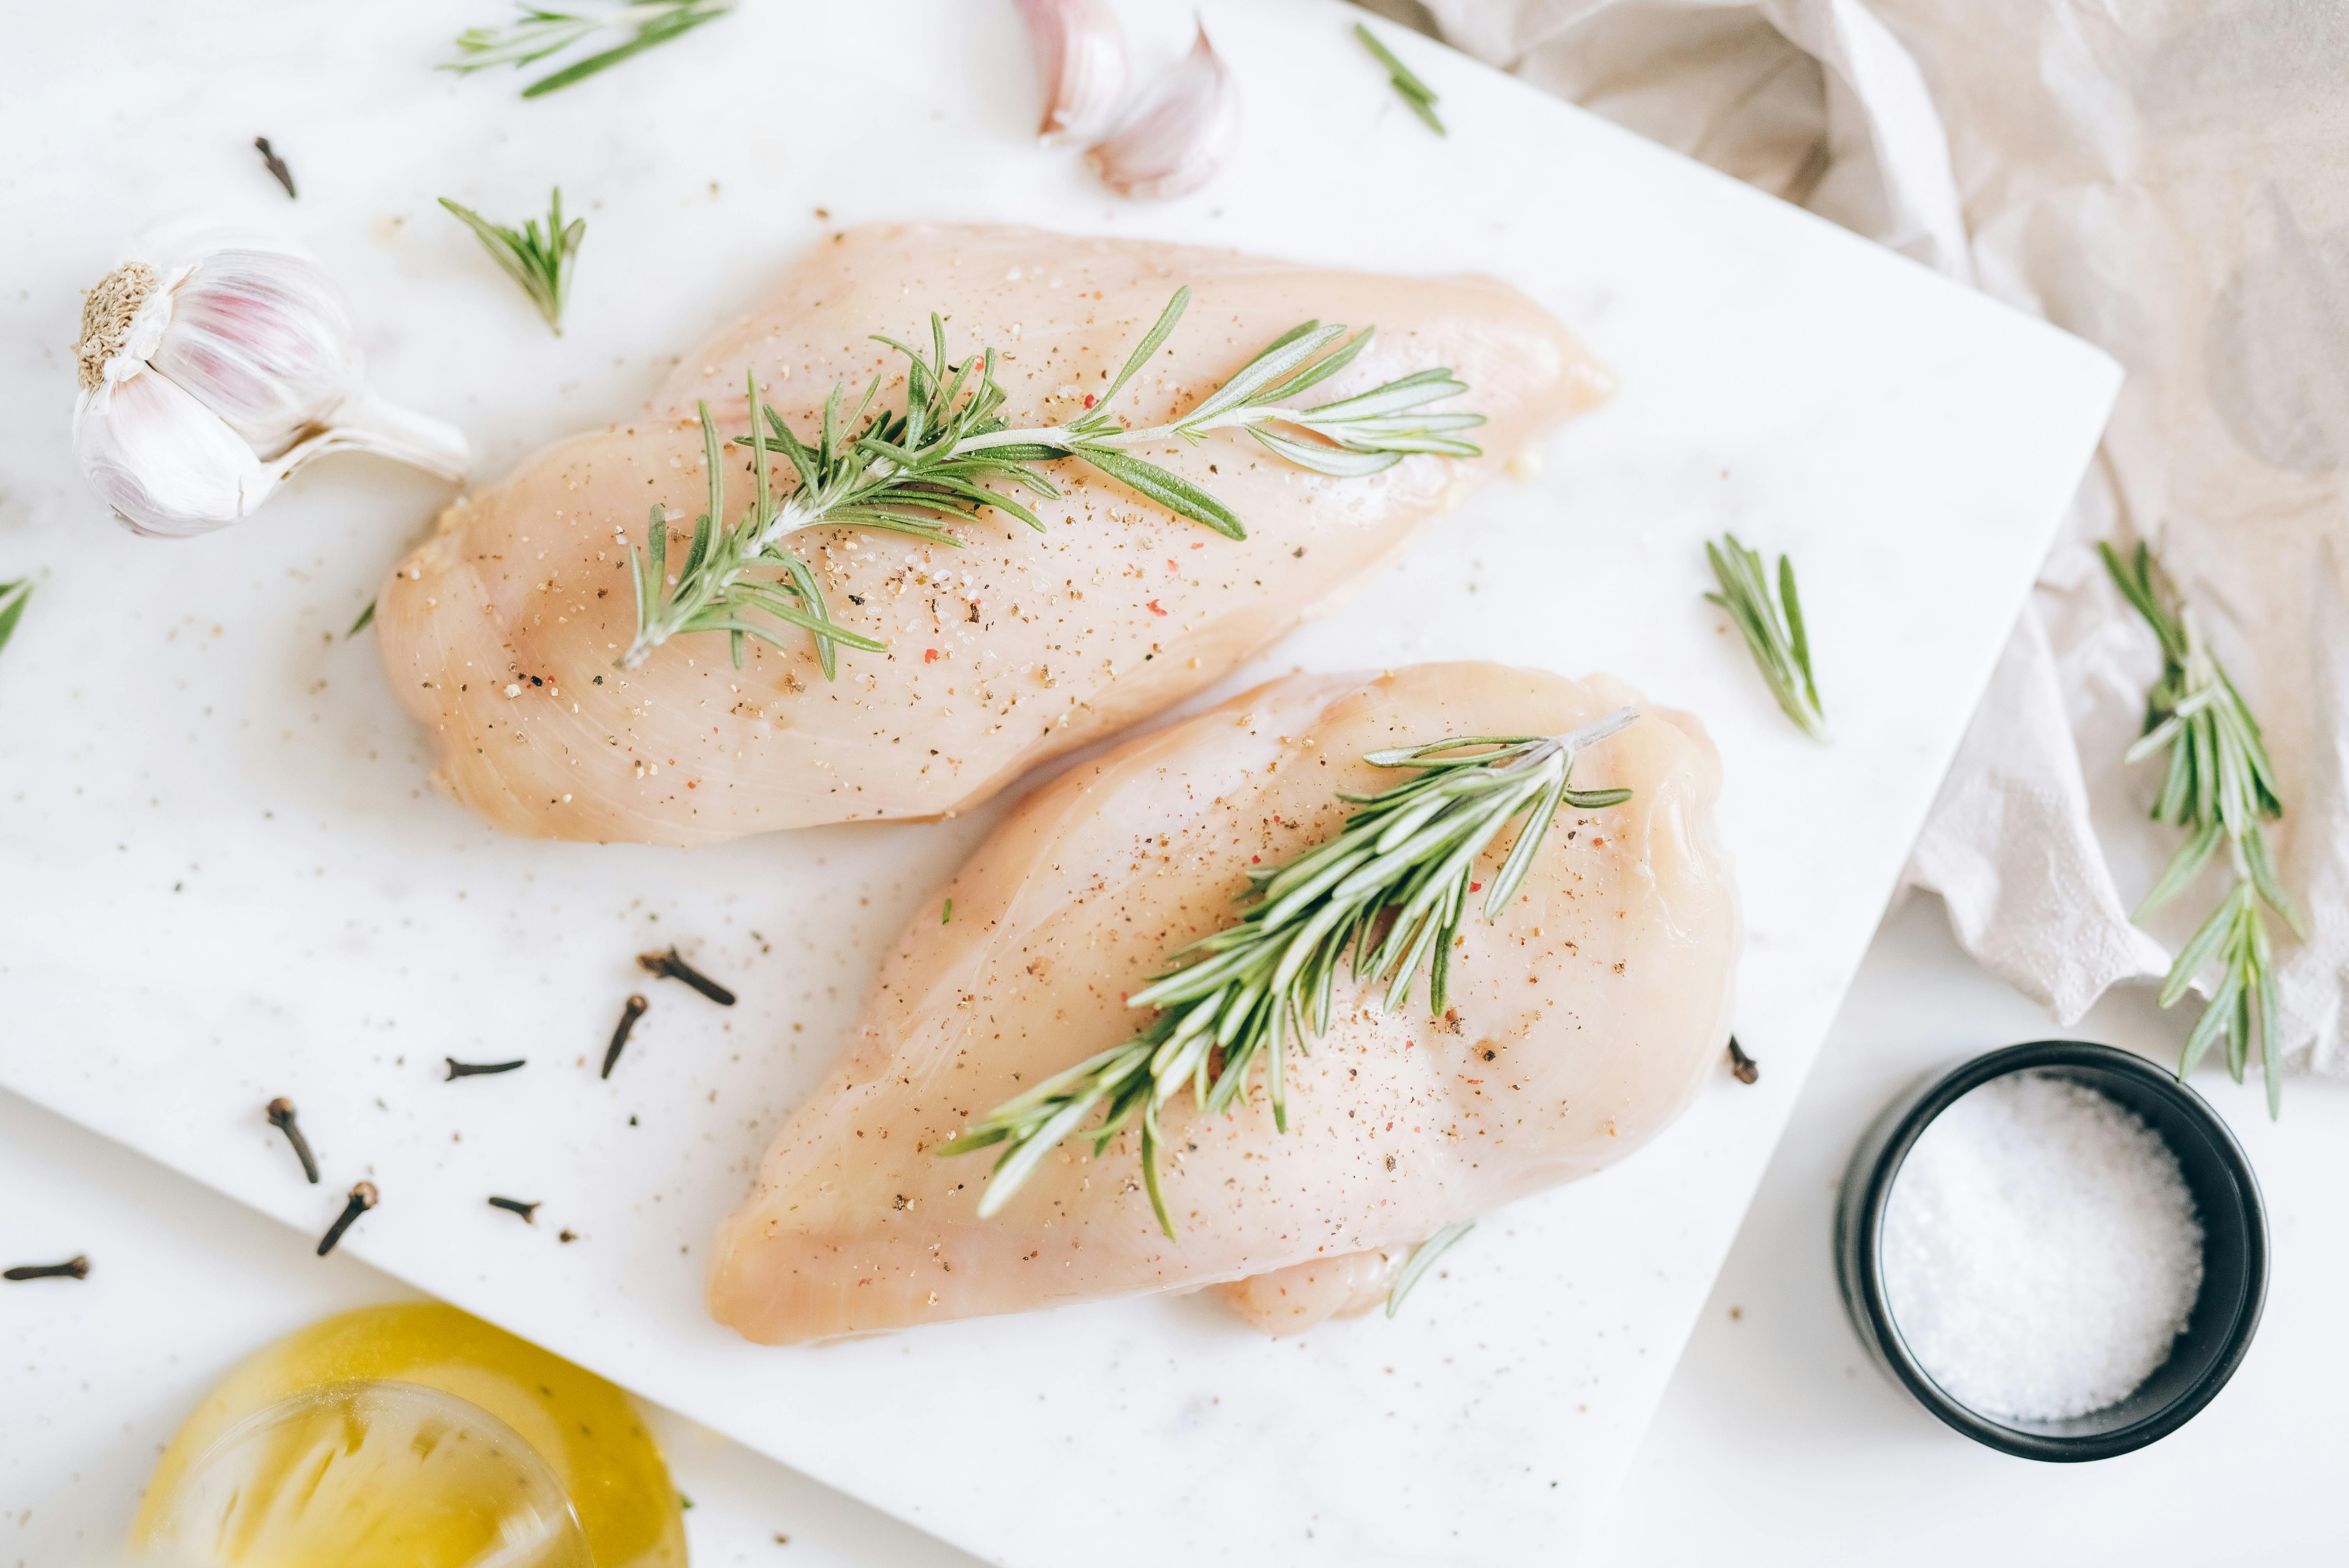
<point>13,596</point>
<point>1412,90</point>
<point>1391,888</point>
<point>1773,628</point>
<point>1168,489</point>
<point>538,261</point>
<point>681,19</point>
<point>542,33</point>
<point>2220,787</point>
<point>367,618</point>
<point>1423,1257</point>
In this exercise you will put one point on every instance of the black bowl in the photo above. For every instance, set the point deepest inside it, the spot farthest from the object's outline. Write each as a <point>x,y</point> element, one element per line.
<point>2234,1250</point>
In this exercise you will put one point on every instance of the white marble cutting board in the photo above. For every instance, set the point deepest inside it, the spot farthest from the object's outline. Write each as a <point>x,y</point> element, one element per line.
<point>222,877</point>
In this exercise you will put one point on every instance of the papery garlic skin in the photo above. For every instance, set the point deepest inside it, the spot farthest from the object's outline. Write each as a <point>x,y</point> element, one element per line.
<point>266,342</point>
<point>164,462</point>
<point>1081,55</point>
<point>1181,138</point>
<point>212,365</point>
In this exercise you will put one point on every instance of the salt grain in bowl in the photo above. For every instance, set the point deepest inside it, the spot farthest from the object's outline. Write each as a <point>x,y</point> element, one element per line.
<point>2041,1249</point>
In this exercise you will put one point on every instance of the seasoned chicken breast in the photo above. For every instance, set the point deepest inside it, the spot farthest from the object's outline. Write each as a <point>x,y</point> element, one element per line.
<point>1580,1023</point>
<point>499,634</point>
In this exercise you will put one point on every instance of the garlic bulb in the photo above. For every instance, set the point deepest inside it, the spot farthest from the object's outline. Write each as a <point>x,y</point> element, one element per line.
<point>1081,55</point>
<point>1179,141</point>
<point>213,364</point>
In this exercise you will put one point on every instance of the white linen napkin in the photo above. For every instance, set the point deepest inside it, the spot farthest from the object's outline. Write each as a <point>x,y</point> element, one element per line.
<point>2166,180</point>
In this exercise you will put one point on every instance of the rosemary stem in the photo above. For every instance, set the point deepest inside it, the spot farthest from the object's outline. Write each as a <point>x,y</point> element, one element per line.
<point>791,515</point>
<point>1062,436</point>
<point>1044,435</point>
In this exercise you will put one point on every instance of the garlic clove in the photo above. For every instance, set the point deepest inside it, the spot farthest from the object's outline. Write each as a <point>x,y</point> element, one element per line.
<point>264,340</point>
<point>1181,137</point>
<point>168,465</point>
<point>1081,55</point>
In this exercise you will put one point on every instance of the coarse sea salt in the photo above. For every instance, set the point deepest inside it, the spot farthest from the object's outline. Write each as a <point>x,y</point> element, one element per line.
<point>2041,1249</point>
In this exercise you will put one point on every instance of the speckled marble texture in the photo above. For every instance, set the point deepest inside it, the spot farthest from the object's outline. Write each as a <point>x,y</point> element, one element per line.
<point>226,879</point>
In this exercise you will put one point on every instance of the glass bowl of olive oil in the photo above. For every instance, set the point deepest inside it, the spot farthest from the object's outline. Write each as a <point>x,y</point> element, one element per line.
<point>411,1436</point>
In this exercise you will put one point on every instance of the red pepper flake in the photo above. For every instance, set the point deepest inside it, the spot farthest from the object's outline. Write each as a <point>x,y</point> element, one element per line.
<point>1201,545</point>
<point>1089,399</point>
<point>1156,609</point>
<point>1256,860</point>
<point>1476,887</point>
<point>929,655</point>
<point>1172,567</point>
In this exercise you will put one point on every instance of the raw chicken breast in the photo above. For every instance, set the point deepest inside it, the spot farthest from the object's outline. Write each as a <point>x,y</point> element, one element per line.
<point>499,633</point>
<point>1291,1300</point>
<point>1581,1024</point>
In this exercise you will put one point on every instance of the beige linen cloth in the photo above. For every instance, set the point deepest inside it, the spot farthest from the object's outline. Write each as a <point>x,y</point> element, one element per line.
<point>2169,179</point>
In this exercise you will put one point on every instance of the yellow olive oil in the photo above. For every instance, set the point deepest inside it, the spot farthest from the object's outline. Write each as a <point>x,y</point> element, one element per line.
<point>411,1437</point>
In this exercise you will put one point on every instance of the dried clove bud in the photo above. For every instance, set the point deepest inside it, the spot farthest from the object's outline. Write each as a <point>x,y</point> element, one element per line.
<point>458,1069</point>
<point>363,1198</point>
<point>670,966</point>
<point>516,1206</point>
<point>72,1268</point>
<point>276,165</point>
<point>281,1116</point>
<point>1745,1066</point>
<point>629,1012</point>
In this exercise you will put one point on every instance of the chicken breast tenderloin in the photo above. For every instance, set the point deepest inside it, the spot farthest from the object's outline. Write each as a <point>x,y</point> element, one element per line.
<point>1581,1024</point>
<point>499,633</point>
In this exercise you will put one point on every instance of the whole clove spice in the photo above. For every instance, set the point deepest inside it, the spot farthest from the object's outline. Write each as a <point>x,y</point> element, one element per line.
<point>630,1011</point>
<point>458,1069</point>
<point>281,1116</point>
<point>670,966</point>
<point>516,1206</point>
<point>72,1268</point>
<point>276,165</point>
<point>1744,1068</point>
<point>363,1198</point>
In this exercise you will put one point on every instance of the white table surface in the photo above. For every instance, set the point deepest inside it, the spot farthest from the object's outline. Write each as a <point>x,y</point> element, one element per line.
<point>1777,1441</point>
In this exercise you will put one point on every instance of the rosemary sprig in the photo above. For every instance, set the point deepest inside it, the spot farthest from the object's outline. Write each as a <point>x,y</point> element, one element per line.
<point>12,606</point>
<point>1393,886</point>
<point>1408,86</point>
<point>945,452</point>
<point>2220,787</point>
<point>1775,635</point>
<point>540,262</point>
<point>541,32</point>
